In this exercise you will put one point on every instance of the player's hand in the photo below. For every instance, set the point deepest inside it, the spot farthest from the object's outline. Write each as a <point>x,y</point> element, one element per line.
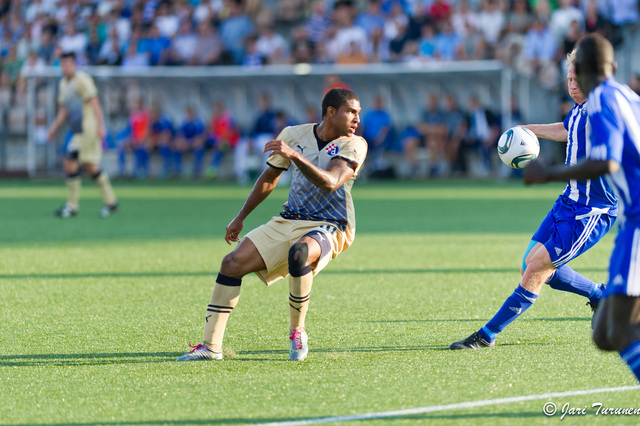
<point>102,133</point>
<point>535,173</point>
<point>280,148</point>
<point>233,231</point>
<point>51,134</point>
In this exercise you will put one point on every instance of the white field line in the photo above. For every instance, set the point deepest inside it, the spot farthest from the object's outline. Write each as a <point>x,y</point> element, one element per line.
<point>448,407</point>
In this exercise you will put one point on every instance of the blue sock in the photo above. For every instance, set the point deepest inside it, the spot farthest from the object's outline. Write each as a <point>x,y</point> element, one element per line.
<point>631,355</point>
<point>165,152</point>
<point>139,155</point>
<point>566,279</point>
<point>198,156</point>
<point>122,162</point>
<point>512,308</point>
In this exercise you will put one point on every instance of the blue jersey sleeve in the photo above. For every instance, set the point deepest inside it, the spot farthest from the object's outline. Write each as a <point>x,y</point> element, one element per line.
<point>605,128</point>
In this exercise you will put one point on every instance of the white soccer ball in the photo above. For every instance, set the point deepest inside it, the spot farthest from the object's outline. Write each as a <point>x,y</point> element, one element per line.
<point>518,147</point>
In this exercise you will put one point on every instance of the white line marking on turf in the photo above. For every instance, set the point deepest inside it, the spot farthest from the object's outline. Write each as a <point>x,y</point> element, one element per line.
<point>448,407</point>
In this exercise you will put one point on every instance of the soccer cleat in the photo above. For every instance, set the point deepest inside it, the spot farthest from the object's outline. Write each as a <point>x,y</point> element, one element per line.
<point>66,211</point>
<point>475,341</point>
<point>107,211</point>
<point>299,345</point>
<point>200,353</point>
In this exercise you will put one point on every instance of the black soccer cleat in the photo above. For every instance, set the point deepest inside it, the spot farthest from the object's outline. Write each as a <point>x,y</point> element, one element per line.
<point>475,341</point>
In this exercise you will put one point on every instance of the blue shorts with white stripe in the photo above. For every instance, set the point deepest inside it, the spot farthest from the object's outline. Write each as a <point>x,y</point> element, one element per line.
<point>571,228</point>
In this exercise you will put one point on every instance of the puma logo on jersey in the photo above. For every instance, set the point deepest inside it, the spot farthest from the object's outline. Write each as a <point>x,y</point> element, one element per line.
<point>301,149</point>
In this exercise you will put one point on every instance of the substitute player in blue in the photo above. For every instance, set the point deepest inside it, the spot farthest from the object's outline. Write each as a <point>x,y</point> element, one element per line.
<point>317,222</point>
<point>614,134</point>
<point>580,217</point>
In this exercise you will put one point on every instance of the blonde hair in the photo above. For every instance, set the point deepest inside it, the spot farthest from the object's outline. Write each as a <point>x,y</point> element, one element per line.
<point>571,58</point>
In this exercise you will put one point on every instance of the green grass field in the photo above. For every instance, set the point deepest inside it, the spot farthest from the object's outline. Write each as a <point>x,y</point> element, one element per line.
<point>95,311</point>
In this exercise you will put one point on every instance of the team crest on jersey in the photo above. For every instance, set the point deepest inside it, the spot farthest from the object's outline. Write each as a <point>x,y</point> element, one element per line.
<point>332,149</point>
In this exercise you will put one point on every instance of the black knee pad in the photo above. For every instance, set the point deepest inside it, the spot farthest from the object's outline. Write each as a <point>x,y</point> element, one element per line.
<point>298,254</point>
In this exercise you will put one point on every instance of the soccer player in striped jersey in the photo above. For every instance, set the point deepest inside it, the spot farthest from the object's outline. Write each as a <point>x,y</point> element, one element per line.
<point>614,134</point>
<point>580,217</point>
<point>316,225</point>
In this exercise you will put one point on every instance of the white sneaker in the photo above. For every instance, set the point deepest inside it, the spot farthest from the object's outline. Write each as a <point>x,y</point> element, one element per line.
<point>66,211</point>
<point>299,345</point>
<point>201,353</point>
<point>107,211</point>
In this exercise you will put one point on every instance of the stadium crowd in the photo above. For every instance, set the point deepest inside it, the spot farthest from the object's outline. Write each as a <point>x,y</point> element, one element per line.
<point>531,36</point>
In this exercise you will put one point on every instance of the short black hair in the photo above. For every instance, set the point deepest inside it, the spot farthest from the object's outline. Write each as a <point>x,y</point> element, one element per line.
<point>68,55</point>
<point>337,97</point>
<point>593,54</point>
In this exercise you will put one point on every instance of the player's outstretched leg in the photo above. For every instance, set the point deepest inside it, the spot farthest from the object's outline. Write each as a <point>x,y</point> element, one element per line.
<point>225,297</point>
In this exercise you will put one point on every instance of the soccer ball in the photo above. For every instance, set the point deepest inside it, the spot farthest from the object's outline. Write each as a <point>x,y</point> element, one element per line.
<point>517,147</point>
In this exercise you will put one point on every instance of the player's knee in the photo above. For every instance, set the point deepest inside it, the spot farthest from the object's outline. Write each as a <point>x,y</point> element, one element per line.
<point>230,265</point>
<point>298,256</point>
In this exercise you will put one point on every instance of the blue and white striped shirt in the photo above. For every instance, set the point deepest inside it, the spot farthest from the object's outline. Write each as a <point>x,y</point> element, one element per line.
<point>614,133</point>
<point>594,193</point>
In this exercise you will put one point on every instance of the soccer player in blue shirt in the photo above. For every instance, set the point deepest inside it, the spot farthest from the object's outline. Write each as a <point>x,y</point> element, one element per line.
<point>614,134</point>
<point>580,217</point>
<point>161,138</point>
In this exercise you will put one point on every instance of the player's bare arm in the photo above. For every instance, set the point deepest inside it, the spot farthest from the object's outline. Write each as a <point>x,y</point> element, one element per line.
<point>553,131</point>
<point>261,190</point>
<point>60,118</point>
<point>97,109</point>
<point>586,169</point>
<point>338,172</point>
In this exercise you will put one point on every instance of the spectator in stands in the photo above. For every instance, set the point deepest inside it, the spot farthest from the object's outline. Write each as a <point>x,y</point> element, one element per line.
<point>155,45</point>
<point>271,45</point>
<point>377,130</point>
<point>223,136</point>
<point>134,58</point>
<point>562,17</point>
<point>472,46</point>
<point>464,18</point>
<point>167,22</point>
<point>440,11</point>
<point>190,138</point>
<point>446,42</point>
<point>491,22</point>
<point>74,41</point>
<point>208,46</point>
<point>378,47</point>
<point>94,46</point>
<point>570,40</point>
<point>352,56</point>
<point>371,18</point>
<point>252,56</point>
<point>346,32</point>
<point>12,64</point>
<point>427,42</point>
<point>110,52</point>
<point>519,18</point>
<point>183,46</point>
<point>540,51</point>
<point>47,46</point>
<point>161,137</point>
<point>594,21</point>
<point>235,29</point>
<point>318,24</point>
